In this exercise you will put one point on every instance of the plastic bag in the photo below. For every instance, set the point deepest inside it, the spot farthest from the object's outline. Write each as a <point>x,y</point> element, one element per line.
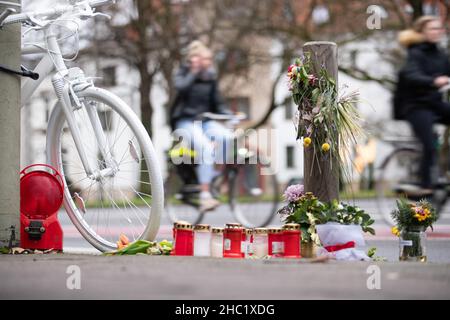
<point>341,242</point>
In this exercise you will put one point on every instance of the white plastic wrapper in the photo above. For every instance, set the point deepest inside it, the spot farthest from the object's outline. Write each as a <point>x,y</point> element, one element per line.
<point>335,234</point>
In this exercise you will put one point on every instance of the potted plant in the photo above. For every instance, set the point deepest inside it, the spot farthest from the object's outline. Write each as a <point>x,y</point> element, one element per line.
<point>308,211</point>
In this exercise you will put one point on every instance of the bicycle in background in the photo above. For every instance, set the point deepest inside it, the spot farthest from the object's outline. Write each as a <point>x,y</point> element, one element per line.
<point>242,184</point>
<point>399,173</point>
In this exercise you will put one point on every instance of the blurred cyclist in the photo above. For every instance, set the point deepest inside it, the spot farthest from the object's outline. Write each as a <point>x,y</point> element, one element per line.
<point>427,69</point>
<point>197,92</point>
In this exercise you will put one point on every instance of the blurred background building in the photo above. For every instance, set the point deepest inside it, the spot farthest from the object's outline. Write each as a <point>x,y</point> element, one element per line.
<point>136,53</point>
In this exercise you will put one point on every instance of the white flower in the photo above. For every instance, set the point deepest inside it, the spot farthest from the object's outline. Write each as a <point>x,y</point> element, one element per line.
<point>312,220</point>
<point>340,207</point>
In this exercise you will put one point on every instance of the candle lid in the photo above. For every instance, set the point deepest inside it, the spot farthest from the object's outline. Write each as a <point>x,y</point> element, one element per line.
<point>202,227</point>
<point>260,230</point>
<point>182,225</point>
<point>234,226</point>
<point>217,230</point>
<point>291,226</point>
<point>275,230</point>
<point>249,232</point>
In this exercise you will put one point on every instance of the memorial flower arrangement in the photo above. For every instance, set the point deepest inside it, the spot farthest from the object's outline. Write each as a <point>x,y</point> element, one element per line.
<point>418,215</point>
<point>327,122</point>
<point>308,211</point>
<point>412,220</point>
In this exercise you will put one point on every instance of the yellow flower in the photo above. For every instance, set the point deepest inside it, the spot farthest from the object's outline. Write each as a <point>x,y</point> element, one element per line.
<point>420,217</point>
<point>420,213</point>
<point>306,142</point>
<point>325,147</point>
<point>395,231</point>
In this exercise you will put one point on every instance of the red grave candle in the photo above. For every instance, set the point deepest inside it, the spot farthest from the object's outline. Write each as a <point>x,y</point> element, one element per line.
<point>291,237</point>
<point>276,242</point>
<point>232,239</point>
<point>184,239</point>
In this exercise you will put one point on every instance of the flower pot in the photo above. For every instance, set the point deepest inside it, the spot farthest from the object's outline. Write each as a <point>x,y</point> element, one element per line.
<point>308,249</point>
<point>413,245</point>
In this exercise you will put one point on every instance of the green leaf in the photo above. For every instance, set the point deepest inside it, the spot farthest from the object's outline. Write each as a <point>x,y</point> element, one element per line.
<point>139,246</point>
<point>371,252</point>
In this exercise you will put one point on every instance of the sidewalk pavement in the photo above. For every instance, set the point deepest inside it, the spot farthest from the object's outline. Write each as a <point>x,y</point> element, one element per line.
<point>166,277</point>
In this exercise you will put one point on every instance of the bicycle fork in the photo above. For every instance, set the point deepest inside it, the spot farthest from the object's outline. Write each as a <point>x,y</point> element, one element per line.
<point>66,94</point>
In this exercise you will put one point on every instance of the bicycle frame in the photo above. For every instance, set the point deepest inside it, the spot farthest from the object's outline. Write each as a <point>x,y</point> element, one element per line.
<point>53,60</point>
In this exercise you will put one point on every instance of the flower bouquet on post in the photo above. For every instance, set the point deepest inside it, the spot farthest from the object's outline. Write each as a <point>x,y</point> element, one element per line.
<point>412,220</point>
<point>328,122</point>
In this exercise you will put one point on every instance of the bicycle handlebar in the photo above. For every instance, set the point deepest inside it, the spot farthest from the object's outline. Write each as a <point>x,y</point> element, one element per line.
<point>57,11</point>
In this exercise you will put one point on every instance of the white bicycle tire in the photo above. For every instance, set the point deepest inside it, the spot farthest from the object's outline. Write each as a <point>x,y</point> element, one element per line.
<point>53,150</point>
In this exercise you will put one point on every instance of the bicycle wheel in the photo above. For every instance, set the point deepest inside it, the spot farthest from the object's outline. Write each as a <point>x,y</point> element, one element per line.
<point>181,200</point>
<point>398,176</point>
<point>129,202</point>
<point>253,193</point>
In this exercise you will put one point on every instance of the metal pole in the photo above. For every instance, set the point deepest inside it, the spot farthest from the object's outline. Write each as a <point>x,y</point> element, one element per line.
<point>9,134</point>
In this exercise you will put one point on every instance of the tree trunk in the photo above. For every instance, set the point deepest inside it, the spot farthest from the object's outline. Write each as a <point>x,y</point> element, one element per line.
<point>146,117</point>
<point>321,176</point>
<point>417,6</point>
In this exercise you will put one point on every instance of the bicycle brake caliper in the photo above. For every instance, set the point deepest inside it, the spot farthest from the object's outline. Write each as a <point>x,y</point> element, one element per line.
<point>78,82</point>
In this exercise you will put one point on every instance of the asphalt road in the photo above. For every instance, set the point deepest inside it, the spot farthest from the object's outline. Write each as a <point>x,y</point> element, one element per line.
<point>172,278</point>
<point>168,277</point>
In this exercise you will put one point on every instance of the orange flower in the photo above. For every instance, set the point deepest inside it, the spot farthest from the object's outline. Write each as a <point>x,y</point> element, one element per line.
<point>123,241</point>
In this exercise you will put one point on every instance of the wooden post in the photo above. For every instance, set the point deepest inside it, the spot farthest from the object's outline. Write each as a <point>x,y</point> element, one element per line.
<point>321,177</point>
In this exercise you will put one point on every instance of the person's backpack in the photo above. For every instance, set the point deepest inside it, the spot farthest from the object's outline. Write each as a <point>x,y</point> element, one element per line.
<point>398,98</point>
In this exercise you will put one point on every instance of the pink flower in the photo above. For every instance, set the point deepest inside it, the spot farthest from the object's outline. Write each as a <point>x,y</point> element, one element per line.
<point>312,79</point>
<point>294,192</point>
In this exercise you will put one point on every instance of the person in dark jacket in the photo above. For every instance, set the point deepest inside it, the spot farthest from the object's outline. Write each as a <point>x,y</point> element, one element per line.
<point>197,93</point>
<point>427,69</point>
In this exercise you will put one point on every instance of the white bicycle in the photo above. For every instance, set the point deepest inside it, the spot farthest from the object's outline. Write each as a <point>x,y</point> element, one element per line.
<point>112,180</point>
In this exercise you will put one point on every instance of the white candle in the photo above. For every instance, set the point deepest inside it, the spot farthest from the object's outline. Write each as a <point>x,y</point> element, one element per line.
<point>217,243</point>
<point>260,243</point>
<point>202,240</point>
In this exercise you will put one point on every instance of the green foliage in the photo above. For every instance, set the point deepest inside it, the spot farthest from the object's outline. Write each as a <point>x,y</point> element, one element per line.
<point>309,211</point>
<point>371,252</point>
<point>348,214</point>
